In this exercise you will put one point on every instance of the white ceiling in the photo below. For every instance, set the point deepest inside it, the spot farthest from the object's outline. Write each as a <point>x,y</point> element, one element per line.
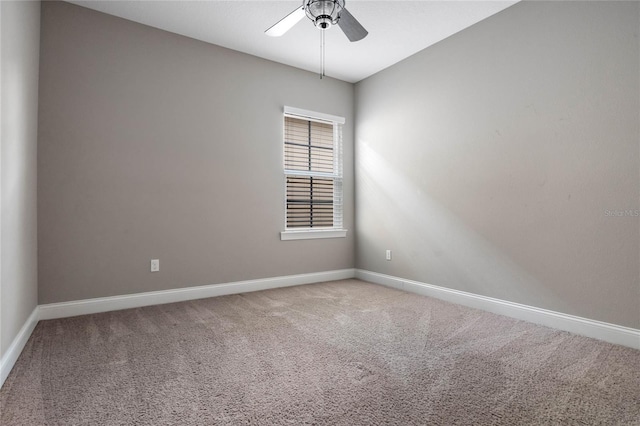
<point>397,29</point>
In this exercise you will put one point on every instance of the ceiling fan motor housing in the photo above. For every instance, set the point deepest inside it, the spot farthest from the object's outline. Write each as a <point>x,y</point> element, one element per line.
<point>323,13</point>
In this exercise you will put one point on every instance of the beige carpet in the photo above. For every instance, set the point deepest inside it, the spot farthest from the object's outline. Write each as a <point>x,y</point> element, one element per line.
<point>340,353</point>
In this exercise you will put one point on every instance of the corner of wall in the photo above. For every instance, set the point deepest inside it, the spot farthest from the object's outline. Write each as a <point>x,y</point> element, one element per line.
<point>20,39</point>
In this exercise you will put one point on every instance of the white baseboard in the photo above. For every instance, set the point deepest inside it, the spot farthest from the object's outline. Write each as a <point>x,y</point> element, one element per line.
<point>11,355</point>
<point>596,329</point>
<point>114,303</point>
<point>611,333</point>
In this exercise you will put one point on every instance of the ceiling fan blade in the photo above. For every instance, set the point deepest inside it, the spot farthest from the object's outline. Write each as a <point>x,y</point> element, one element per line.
<point>286,23</point>
<point>351,27</point>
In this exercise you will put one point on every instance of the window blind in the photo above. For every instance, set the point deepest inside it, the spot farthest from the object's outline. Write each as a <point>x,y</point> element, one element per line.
<point>313,173</point>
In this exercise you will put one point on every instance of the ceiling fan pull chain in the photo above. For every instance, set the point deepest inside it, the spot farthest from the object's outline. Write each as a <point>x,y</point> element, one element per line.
<point>322,54</point>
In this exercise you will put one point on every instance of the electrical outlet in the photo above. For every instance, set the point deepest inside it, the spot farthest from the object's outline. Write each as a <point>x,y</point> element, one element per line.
<point>388,254</point>
<point>155,265</point>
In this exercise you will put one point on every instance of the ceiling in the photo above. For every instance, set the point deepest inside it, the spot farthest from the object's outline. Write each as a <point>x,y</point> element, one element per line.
<point>397,29</point>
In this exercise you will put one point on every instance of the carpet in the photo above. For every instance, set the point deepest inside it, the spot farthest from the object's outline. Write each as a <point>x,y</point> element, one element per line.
<point>338,353</point>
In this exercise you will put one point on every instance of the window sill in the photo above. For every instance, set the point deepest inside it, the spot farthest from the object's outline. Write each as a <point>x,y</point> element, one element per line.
<point>313,234</point>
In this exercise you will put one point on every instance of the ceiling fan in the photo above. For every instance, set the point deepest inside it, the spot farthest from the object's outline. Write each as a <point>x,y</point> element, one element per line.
<point>323,14</point>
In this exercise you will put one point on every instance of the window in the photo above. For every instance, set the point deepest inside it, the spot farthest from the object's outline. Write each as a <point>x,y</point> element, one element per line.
<point>313,175</point>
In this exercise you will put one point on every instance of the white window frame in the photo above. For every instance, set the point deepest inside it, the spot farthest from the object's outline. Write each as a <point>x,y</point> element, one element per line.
<point>337,231</point>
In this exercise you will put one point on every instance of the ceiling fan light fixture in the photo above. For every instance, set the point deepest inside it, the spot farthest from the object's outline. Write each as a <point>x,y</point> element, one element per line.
<point>323,13</point>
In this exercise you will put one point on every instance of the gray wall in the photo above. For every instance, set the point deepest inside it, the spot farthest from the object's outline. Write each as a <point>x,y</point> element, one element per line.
<point>488,162</point>
<point>19,50</point>
<point>153,145</point>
